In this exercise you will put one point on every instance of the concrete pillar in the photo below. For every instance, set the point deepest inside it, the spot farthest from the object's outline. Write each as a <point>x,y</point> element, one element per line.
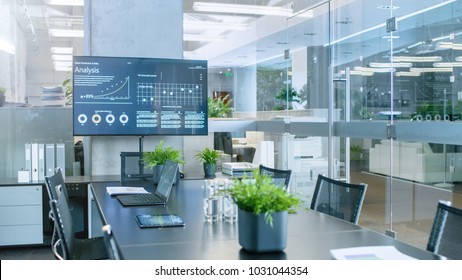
<point>141,28</point>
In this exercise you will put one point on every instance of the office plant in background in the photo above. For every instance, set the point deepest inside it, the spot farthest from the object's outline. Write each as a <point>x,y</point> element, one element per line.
<point>219,107</point>
<point>2,96</point>
<point>262,212</point>
<point>289,96</point>
<point>209,158</point>
<point>156,158</point>
<point>67,87</point>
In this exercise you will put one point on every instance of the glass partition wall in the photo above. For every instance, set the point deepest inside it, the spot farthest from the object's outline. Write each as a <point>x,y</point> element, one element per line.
<point>372,95</point>
<point>395,84</point>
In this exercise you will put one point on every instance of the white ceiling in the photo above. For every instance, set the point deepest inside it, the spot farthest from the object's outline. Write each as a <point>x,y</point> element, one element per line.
<point>268,36</point>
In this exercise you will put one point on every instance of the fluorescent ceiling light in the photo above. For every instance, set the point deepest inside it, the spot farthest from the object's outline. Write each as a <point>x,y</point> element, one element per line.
<point>65,2</point>
<point>62,63</point>
<point>375,70</point>
<point>389,65</point>
<point>61,57</point>
<point>449,45</point>
<point>61,50</point>
<point>63,68</point>
<point>66,32</point>
<point>407,74</point>
<point>190,24</point>
<point>390,37</point>
<point>447,64</point>
<point>241,9</point>
<point>200,37</point>
<point>458,58</point>
<point>430,69</point>
<point>415,45</point>
<point>358,73</point>
<point>416,58</point>
<point>7,47</point>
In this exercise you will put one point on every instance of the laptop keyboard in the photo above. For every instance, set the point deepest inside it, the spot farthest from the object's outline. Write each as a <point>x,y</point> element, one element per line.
<point>147,198</point>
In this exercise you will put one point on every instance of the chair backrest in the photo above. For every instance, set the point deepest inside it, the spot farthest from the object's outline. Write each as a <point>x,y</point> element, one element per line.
<point>446,233</point>
<point>112,247</point>
<point>56,185</point>
<point>63,225</point>
<point>338,199</point>
<point>280,177</point>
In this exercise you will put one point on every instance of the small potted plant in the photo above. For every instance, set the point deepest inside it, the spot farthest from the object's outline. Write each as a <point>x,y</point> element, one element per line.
<point>263,208</point>
<point>209,157</point>
<point>219,107</point>
<point>156,158</point>
<point>2,96</point>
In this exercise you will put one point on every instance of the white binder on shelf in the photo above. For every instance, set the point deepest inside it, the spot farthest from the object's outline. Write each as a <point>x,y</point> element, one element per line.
<point>34,162</point>
<point>41,162</point>
<point>49,160</point>
<point>28,160</point>
<point>60,157</point>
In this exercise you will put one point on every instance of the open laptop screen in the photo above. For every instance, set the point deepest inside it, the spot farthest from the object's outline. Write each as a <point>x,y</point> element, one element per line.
<point>167,178</point>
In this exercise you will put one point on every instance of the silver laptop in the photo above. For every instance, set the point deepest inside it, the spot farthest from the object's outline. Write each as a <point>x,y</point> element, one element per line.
<point>162,193</point>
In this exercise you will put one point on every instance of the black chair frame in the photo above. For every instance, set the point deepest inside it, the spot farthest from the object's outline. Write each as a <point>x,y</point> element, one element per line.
<point>361,188</point>
<point>277,173</point>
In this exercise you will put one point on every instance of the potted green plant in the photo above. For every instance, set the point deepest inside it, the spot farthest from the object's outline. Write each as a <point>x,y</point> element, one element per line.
<point>2,96</point>
<point>263,208</point>
<point>219,107</point>
<point>156,158</point>
<point>356,157</point>
<point>209,158</point>
<point>67,87</point>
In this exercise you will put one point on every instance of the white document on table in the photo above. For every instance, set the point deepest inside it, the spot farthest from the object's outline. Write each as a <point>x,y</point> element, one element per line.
<point>117,190</point>
<point>369,253</point>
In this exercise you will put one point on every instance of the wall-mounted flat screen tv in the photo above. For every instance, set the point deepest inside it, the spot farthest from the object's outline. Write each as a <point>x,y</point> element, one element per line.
<point>139,96</point>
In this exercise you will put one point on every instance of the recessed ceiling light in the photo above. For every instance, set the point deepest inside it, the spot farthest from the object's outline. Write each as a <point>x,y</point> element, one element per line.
<point>345,21</point>
<point>387,7</point>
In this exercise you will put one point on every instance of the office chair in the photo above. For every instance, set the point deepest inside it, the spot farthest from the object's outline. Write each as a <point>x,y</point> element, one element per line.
<point>338,199</point>
<point>56,185</point>
<point>112,247</point>
<point>73,248</point>
<point>55,188</point>
<point>446,233</point>
<point>280,177</point>
<point>224,142</point>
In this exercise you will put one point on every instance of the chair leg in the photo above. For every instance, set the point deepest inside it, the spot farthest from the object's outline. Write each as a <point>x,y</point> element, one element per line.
<point>55,250</point>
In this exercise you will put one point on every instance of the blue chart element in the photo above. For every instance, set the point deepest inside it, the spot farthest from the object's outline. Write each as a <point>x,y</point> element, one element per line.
<point>139,96</point>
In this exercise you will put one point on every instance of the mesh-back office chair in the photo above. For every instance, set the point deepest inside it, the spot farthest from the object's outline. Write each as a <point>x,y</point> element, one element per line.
<point>73,248</point>
<point>280,177</point>
<point>112,247</point>
<point>55,188</point>
<point>133,169</point>
<point>446,234</point>
<point>224,142</point>
<point>338,199</point>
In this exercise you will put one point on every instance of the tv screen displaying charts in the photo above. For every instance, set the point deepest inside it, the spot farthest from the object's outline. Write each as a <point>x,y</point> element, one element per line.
<point>139,96</point>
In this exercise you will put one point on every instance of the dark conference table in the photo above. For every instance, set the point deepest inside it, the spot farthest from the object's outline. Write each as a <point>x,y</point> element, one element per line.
<point>311,235</point>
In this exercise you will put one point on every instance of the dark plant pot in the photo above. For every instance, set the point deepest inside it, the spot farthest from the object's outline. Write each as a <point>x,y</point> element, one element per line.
<point>255,235</point>
<point>209,170</point>
<point>2,100</point>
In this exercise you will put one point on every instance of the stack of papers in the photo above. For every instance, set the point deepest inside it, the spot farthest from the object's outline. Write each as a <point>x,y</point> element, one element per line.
<point>369,253</point>
<point>125,190</point>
